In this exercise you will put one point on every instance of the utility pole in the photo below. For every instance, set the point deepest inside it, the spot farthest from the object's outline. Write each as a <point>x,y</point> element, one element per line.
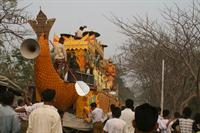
<point>162,87</point>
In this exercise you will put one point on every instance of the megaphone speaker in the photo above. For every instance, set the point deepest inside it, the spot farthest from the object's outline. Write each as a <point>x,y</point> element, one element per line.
<point>30,48</point>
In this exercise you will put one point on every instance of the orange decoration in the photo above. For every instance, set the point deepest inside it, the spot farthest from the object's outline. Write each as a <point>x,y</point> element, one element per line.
<point>80,58</point>
<point>47,77</point>
<point>45,74</point>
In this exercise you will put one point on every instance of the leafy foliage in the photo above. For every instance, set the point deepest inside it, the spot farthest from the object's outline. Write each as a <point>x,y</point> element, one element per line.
<point>16,68</point>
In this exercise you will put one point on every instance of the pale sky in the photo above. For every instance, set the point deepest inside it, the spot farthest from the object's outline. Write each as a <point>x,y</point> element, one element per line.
<point>70,14</point>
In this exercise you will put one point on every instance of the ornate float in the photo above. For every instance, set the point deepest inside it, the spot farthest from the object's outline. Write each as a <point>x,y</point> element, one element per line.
<point>82,59</point>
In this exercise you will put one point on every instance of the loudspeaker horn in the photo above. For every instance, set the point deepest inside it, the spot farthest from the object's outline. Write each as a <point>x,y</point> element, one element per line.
<point>30,48</point>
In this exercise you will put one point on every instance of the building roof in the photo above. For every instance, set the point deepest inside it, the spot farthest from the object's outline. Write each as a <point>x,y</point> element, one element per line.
<point>10,85</point>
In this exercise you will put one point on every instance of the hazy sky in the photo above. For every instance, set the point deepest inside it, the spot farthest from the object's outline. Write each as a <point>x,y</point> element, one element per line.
<point>70,14</point>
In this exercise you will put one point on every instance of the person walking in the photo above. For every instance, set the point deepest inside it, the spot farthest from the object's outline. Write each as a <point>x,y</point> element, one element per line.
<point>109,114</point>
<point>23,116</point>
<point>146,117</point>
<point>45,119</point>
<point>9,121</point>
<point>171,122</point>
<point>115,125</point>
<point>165,120</point>
<point>97,118</point>
<point>128,116</point>
<point>196,124</point>
<point>185,123</point>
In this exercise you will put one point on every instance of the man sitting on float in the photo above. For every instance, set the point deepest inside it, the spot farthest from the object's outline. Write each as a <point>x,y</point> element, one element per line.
<point>60,58</point>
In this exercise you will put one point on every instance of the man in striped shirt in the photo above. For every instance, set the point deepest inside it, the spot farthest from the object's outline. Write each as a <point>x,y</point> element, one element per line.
<point>185,123</point>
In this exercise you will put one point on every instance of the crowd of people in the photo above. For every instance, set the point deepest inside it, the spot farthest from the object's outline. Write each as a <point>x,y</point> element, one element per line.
<point>43,117</point>
<point>40,117</point>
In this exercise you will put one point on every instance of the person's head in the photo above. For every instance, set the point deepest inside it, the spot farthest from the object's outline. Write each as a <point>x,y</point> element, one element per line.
<point>82,28</point>
<point>110,60</point>
<point>197,118</point>
<point>0,98</point>
<point>159,110</point>
<point>93,106</point>
<point>166,113</point>
<point>116,112</point>
<point>177,115</point>
<point>20,102</point>
<point>146,117</point>
<point>1,94</point>
<point>7,98</point>
<point>112,106</point>
<point>187,112</point>
<point>48,95</point>
<point>2,90</point>
<point>129,103</point>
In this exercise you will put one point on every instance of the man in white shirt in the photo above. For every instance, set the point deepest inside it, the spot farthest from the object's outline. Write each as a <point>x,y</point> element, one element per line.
<point>128,116</point>
<point>79,33</point>
<point>115,125</point>
<point>165,120</point>
<point>45,119</point>
<point>161,125</point>
<point>97,117</point>
<point>109,114</point>
<point>60,59</point>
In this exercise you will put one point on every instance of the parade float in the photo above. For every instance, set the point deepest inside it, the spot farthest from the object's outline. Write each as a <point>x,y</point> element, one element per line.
<point>82,60</point>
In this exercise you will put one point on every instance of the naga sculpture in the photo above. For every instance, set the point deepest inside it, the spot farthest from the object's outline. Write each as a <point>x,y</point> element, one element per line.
<point>45,74</point>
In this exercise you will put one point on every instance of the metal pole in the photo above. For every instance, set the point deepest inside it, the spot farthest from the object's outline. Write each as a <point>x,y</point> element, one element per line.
<point>162,87</point>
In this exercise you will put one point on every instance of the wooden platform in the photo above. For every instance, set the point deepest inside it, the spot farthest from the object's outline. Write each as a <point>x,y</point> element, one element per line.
<point>70,121</point>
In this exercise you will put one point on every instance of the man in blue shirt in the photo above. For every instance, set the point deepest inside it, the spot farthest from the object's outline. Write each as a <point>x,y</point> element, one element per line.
<point>9,121</point>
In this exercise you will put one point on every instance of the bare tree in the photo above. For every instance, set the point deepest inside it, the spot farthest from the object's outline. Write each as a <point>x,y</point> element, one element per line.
<point>12,31</point>
<point>12,22</point>
<point>177,41</point>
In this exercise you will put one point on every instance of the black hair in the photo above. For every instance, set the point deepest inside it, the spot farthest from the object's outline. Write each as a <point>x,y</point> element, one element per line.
<point>146,117</point>
<point>166,113</point>
<point>112,106</point>
<point>116,112</point>
<point>0,97</point>
<point>93,105</point>
<point>129,103</point>
<point>2,90</point>
<point>187,112</point>
<point>7,98</point>
<point>20,101</point>
<point>82,28</point>
<point>177,115</point>
<point>48,95</point>
<point>158,109</point>
<point>197,118</point>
